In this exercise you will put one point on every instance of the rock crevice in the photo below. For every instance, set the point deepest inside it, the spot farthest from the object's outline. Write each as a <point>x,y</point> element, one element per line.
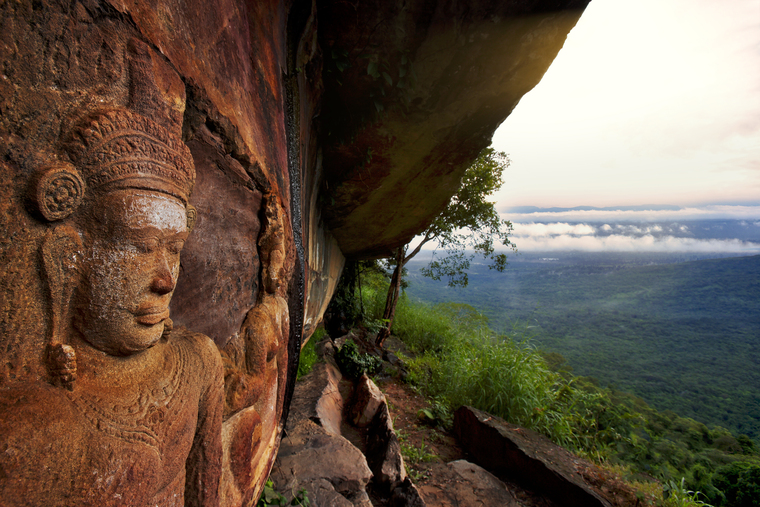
<point>315,456</point>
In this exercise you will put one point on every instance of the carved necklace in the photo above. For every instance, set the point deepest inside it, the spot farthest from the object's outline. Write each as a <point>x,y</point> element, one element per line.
<point>139,416</point>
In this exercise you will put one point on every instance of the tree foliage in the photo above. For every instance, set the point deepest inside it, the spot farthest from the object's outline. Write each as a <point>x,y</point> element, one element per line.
<point>469,226</point>
<point>470,222</point>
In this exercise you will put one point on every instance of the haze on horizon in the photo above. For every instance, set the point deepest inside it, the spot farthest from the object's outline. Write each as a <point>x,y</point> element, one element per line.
<point>649,102</point>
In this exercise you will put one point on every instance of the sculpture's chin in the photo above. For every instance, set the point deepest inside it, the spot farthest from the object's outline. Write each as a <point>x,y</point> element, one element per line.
<point>132,341</point>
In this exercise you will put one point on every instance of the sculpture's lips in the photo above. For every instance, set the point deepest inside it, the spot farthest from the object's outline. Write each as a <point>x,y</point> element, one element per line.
<point>152,315</point>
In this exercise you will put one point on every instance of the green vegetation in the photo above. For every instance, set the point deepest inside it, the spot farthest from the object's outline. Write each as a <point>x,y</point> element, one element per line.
<point>740,482</point>
<point>353,363</point>
<point>684,335</point>
<point>309,353</point>
<point>271,497</point>
<point>679,496</point>
<point>413,455</point>
<point>459,360</point>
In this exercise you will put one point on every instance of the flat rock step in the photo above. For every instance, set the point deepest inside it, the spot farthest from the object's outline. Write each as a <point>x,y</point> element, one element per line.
<point>463,483</point>
<point>516,454</point>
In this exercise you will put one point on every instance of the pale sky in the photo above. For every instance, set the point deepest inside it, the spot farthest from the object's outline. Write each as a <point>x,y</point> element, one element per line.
<point>649,102</point>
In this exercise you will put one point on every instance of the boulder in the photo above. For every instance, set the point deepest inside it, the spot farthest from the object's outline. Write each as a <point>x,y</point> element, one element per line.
<point>329,407</point>
<point>322,492</point>
<point>406,495</point>
<point>468,484</point>
<point>311,458</point>
<point>367,400</point>
<point>384,451</point>
<point>328,475</point>
<point>315,456</point>
<point>523,456</point>
<point>318,398</point>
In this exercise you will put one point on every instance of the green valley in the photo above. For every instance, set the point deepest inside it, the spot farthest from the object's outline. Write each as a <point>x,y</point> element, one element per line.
<point>682,332</point>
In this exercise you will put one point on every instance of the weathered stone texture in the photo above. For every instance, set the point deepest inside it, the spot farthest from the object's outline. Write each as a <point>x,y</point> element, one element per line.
<point>468,484</point>
<point>521,455</point>
<point>220,262</point>
<point>366,402</point>
<point>303,158</point>
<point>446,75</point>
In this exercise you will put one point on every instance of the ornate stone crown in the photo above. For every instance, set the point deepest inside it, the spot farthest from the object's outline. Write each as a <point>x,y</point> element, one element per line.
<point>116,149</point>
<point>123,149</point>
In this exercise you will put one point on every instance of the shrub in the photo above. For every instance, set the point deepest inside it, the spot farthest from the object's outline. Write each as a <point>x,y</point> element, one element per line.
<point>353,363</point>
<point>461,361</point>
<point>271,497</point>
<point>740,483</point>
<point>676,495</point>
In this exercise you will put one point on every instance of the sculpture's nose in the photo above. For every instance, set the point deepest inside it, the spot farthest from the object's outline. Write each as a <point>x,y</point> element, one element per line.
<point>163,281</point>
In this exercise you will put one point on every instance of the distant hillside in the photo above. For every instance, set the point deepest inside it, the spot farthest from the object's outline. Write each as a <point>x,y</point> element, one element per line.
<point>683,335</point>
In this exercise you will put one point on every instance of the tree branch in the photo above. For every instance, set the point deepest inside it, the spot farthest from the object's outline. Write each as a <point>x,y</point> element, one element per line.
<point>426,239</point>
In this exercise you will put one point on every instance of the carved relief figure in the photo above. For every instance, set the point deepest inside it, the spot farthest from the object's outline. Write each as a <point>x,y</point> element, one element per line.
<point>131,412</point>
<point>103,401</point>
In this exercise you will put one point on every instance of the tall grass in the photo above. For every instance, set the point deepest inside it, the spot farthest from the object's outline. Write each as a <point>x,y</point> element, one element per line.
<point>309,353</point>
<point>461,361</point>
<point>458,361</point>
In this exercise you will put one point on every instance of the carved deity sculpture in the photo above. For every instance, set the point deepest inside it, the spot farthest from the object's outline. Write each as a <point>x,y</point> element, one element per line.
<point>103,401</point>
<point>131,410</point>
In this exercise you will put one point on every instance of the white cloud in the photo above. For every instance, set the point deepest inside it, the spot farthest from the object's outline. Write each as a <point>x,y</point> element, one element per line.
<point>718,211</point>
<point>552,229</point>
<point>620,243</point>
<point>558,236</point>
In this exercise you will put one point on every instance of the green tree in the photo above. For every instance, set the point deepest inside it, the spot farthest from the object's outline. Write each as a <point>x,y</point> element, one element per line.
<point>468,226</point>
<point>740,483</point>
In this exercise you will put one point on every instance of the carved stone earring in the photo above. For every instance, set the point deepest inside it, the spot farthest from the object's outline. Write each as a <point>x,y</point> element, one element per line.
<point>58,192</point>
<point>59,250</point>
<point>192,216</point>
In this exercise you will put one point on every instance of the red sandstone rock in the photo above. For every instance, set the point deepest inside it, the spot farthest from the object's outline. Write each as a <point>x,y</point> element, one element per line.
<point>523,456</point>
<point>297,162</point>
<point>366,402</point>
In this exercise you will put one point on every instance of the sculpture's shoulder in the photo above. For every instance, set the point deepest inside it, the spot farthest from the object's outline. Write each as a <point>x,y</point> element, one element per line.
<point>202,354</point>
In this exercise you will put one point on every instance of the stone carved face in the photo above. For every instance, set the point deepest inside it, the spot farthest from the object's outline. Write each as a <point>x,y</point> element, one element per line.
<point>130,268</point>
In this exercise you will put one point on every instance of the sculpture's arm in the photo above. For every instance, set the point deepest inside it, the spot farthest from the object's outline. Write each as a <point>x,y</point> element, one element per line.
<point>204,464</point>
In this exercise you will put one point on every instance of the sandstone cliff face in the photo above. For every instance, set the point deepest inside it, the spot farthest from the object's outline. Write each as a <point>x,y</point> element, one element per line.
<point>319,130</point>
<point>413,91</point>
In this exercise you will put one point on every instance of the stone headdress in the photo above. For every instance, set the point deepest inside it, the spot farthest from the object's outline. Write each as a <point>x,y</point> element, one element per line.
<point>138,147</point>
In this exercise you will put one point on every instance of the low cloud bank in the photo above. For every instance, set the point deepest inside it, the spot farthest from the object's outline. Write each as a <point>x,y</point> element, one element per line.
<point>631,244</point>
<point>715,228</point>
<point>560,236</point>
<point>708,229</point>
<point>712,212</point>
